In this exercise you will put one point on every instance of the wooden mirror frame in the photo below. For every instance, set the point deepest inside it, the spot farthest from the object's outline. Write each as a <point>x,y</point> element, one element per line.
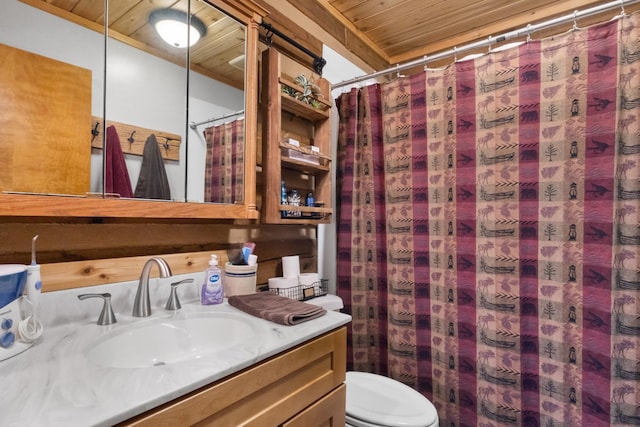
<point>13,205</point>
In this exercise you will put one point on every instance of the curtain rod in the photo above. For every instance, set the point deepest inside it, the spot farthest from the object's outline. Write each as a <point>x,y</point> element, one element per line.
<point>489,41</point>
<point>318,61</point>
<point>194,125</point>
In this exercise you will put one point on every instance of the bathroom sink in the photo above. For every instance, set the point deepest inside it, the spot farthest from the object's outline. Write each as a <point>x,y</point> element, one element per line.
<point>165,341</point>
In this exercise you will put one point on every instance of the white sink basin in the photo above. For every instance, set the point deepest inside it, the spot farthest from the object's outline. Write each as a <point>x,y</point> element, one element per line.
<point>165,341</point>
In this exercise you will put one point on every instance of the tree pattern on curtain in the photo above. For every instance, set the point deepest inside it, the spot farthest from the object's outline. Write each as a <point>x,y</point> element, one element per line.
<point>224,169</point>
<point>488,237</point>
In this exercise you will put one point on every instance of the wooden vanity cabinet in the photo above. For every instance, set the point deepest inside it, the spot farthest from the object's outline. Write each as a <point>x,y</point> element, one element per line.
<point>303,386</point>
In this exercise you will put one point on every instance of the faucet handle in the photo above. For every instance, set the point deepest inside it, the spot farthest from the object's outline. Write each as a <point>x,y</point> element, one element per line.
<point>106,316</point>
<point>173,303</point>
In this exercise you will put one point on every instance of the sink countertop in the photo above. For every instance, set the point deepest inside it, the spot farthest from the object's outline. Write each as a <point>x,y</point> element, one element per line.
<point>53,384</point>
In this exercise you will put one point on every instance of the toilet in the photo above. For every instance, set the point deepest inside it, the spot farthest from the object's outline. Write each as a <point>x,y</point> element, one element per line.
<point>377,401</point>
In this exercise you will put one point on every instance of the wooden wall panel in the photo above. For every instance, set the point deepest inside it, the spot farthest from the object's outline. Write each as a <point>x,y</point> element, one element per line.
<point>76,252</point>
<point>45,146</point>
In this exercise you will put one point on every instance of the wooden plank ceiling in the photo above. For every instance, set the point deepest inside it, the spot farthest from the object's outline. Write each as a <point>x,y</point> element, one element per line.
<point>398,31</point>
<point>378,33</point>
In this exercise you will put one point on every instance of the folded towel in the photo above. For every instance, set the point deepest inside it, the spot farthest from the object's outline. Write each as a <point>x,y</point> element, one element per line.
<point>276,308</point>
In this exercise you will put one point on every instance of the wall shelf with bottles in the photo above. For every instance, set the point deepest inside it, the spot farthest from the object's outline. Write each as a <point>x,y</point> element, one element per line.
<point>296,142</point>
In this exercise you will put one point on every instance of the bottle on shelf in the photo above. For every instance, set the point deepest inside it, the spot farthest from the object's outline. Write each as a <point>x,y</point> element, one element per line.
<point>293,199</point>
<point>283,198</point>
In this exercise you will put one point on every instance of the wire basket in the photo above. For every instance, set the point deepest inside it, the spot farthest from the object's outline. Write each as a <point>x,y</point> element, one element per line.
<point>304,293</point>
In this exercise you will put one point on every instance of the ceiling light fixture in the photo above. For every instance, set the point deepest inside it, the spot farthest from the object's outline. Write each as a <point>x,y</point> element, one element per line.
<point>171,25</point>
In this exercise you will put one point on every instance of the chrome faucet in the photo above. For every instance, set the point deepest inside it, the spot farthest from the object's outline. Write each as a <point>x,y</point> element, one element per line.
<point>142,303</point>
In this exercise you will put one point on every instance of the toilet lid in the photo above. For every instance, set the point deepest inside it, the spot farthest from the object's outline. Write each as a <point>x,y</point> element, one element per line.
<point>383,401</point>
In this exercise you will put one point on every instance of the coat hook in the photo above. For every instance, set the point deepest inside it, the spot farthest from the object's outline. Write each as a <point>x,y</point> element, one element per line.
<point>130,139</point>
<point>95,132</point>
<point>166,144</point>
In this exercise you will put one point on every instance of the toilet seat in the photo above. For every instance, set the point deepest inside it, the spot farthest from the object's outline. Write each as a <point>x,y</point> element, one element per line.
<point>374,401</point>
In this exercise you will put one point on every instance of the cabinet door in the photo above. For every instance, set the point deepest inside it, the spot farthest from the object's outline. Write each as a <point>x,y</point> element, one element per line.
<point>44,137</point>
<point>326,412</point>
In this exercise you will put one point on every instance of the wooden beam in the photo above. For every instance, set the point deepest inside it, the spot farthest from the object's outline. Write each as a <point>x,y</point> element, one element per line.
<point>332,21</point>
<point>280,19</point>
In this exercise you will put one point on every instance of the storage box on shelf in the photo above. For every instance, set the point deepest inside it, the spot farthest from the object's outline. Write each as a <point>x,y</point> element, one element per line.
<point>296,141</point>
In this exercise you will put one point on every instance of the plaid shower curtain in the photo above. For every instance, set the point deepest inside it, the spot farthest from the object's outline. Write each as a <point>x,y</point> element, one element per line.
<point>224,170</point>
<point>488,237</point>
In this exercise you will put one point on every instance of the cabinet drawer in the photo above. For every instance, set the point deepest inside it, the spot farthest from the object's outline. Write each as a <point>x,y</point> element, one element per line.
<point>326,412</point>
<point>267,394</point>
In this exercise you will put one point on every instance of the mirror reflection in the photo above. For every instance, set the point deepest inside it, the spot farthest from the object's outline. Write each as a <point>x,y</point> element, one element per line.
<point>176,111</point>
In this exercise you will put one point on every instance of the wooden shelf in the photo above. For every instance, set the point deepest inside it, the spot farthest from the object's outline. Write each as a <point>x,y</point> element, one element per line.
<point>303,166</point>
<point>284,115</point>
<point>308,214</point>
<point>323,165</point>
<point>302,109</point>
<point>296,86</point>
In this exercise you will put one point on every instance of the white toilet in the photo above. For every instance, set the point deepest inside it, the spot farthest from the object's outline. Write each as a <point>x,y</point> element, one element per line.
<point>377,401</point>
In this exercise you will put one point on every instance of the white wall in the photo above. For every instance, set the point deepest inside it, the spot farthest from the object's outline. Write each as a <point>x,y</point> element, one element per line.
<point>336,70</point>
<point>142,90</point>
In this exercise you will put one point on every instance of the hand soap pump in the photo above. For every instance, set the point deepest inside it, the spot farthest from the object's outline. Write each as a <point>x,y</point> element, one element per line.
<point>212,290</point>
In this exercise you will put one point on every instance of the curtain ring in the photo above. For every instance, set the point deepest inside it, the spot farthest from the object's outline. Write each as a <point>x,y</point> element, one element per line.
<point>489,42</point>
<point>455,55</point>
<point>575,20</point>
<point>398,75</point>
<point>528,33</point>
<point>623,13</point>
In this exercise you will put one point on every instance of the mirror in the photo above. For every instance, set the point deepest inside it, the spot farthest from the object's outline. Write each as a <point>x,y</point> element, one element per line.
<point>200,89</point>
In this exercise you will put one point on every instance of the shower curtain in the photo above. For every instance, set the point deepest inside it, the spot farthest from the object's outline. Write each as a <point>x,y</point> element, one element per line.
<point>488,237</point>
<point>224,169</point>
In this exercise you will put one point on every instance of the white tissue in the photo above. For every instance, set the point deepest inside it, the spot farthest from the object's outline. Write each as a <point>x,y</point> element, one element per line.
<point>291,267</point>
<point>282,282</point>
<point>308,279</point>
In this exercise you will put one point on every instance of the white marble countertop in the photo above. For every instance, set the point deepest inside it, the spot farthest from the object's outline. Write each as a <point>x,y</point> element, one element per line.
<point>54,384</point>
